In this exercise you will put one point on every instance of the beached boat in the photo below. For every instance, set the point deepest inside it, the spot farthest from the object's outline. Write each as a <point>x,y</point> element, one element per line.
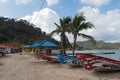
<point>48,56</point>
<point>44,56</point>
<point>70,60</point>
<point>98,63</point>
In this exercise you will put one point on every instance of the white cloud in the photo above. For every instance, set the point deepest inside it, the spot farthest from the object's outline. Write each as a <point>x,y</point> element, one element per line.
<point>107,25</point>
<point>51,2</point>
<point>22,1</point>
<point>44,19</point>
<point>28,18</point>
<point>97,3</point>
<point>3,1</point>
<point>17,1</point>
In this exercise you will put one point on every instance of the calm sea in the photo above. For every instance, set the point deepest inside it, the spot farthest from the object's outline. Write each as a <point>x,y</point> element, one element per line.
<point>115,56</point>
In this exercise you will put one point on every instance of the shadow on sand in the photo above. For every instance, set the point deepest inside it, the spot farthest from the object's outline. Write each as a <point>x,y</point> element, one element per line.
<point>107,74</point>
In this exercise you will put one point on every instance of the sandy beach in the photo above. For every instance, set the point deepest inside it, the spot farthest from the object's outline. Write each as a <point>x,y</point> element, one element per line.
<point>24,67</point>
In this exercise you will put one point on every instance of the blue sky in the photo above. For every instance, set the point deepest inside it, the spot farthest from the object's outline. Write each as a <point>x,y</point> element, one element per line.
<point>104,14</point>
<point>12,8</point>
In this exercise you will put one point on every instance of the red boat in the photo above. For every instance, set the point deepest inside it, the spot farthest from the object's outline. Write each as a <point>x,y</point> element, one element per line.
<point>98,63</point>
<point>49,56</point>
<point>45,56</point>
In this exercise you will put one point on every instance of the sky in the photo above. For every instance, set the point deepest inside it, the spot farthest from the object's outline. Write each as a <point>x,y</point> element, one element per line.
<point>104,14</point>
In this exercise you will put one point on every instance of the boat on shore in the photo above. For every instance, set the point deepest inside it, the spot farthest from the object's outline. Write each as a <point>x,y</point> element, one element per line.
<point>69,60</point>
<point>98,62</point>
<point>106,67</point>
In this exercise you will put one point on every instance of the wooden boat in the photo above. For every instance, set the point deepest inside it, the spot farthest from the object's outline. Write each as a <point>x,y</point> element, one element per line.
<point>70,60</point>
<point>49,56</point>
<point>105,67</point>
<point>98,63</point>
<point>44,56</point>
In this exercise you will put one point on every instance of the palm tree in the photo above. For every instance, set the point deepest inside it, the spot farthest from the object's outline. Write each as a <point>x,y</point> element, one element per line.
<point>61,30</point>
<point>78,24</point>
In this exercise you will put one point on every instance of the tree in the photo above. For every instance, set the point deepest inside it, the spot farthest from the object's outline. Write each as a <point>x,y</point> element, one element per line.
<point>3,38</point>
<point>61,30</point>
<point>78,24</point>
<point>20,31</point>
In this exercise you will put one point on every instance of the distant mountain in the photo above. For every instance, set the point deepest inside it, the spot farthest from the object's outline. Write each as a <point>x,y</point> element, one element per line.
<point>99,45</point>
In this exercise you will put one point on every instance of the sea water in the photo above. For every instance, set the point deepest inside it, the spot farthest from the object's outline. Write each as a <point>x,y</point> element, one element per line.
<point>115,54</point>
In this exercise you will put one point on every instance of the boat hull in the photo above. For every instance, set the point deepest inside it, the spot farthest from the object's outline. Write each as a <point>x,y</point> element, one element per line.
<point>98,63</point>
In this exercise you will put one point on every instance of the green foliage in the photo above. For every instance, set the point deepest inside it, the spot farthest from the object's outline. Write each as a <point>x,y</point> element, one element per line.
<point>99,45</point>
<point>3,38</point>
<point>61,30</point>
<point>79,24</point>
<point>18,31</point>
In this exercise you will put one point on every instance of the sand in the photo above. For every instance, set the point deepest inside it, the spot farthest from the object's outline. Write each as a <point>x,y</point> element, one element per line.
<point>25,67</point>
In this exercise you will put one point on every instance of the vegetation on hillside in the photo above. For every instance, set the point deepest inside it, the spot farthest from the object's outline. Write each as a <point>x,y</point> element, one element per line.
<point>20,32</point>
<point>99,45</point>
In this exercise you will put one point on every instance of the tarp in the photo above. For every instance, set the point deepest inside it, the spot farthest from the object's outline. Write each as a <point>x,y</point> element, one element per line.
<point>48,43</point>
<point>35,44</point>
<point>7,46</point>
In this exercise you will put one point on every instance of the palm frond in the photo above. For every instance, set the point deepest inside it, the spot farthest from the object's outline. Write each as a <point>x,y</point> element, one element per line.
<point>62,28</point>
<point>55,31</point>
<point>86,25</point>
<point>88,37</point>
<point>57,25</point>
<point>67,41</point>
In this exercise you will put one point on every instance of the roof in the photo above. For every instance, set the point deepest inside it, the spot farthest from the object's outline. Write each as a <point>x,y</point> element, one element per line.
<point>35,44</point>
<point>7,46</point>
<point>48,43</point>
<point>26,46</point>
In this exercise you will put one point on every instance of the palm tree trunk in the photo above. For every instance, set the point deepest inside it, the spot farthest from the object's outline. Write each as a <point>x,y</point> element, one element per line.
<point>63,46</point>
<point>74,44</point>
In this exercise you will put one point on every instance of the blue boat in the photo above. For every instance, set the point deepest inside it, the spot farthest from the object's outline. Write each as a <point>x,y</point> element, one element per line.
<point>68,59</point>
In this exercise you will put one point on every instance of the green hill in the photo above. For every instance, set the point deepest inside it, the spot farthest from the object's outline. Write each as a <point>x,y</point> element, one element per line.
<point>19,31</point>
<point>99,45</point>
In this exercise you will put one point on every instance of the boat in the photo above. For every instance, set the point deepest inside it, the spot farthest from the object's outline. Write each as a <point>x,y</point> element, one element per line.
<point>49,55</point>
<point>69,60</point>
<point>97,62</point>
